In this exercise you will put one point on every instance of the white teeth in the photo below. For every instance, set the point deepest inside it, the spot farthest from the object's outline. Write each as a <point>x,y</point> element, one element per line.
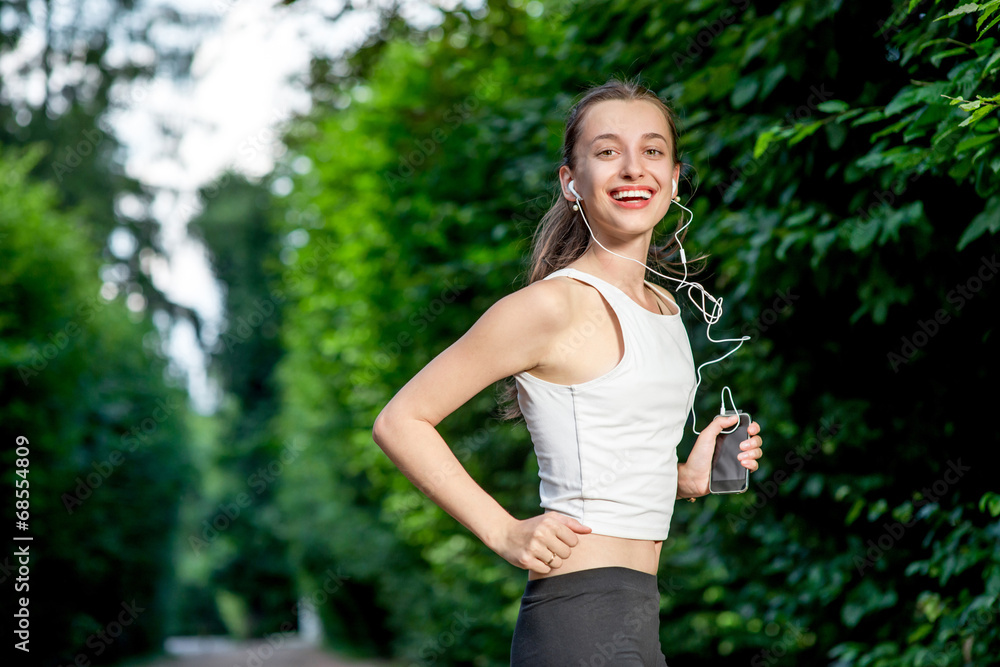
<point>622,194</point>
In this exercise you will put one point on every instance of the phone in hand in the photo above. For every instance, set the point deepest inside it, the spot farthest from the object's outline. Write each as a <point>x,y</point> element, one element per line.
<point>728,474</point>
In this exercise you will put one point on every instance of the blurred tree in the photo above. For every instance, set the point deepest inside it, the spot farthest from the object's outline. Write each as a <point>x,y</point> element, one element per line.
<point>82,377</point>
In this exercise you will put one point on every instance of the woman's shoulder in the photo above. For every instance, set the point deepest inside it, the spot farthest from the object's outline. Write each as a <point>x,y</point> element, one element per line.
<point>521,327</point>
<point>555,303</point>
<point>543,300</point>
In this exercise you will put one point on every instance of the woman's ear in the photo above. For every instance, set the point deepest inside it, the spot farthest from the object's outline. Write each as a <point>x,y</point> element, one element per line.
<point>565,178</point>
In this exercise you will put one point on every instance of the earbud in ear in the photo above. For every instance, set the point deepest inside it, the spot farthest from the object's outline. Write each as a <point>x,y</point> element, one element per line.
<point>570,186</point>
<point>572,189</point>
<point>675,190</point>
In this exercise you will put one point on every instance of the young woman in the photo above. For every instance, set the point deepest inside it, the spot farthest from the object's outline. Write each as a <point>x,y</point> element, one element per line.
<point>604,379</point>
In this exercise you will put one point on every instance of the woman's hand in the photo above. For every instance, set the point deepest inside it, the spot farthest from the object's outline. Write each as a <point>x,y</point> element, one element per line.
<point>541,543</point>
<point>693,475</point>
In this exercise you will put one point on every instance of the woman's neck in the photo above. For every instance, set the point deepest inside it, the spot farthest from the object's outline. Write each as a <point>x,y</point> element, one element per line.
<point>624,274</point>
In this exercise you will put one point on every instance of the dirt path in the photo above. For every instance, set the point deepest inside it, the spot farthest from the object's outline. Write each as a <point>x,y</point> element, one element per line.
<point>225,653</point>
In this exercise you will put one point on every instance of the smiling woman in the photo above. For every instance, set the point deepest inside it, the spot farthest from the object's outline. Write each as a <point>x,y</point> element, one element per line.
<point>604,378</point>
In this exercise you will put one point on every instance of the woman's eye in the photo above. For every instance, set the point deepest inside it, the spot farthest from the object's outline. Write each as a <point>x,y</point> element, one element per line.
<point>654,151</point>
<point>606,151</point>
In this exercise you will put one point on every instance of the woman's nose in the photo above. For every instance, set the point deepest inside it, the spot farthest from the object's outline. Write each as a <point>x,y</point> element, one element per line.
<point>631,166</point>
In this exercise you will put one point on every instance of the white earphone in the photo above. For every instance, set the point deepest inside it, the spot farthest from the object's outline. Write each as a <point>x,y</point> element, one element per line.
<point>710,318</point>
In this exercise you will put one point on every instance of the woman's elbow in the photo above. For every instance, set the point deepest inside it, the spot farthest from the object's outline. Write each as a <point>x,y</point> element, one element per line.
<point>381,429</point>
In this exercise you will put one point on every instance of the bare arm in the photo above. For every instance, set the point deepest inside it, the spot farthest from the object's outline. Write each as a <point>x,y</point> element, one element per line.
<point>515,334</point>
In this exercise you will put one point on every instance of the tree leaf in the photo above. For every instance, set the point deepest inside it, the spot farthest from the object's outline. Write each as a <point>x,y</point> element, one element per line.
<point>992,23</point>
<point>987,221</point>
<point>861,233</point>
<point>938,57</point>
<point>804,131</point>
<point>836,134</point>
<point>977,140</point>
<point>763,140</point>
<point>977,115</point>
<point>833,106</point>
<point>744,92</point>
<point>869,117</point>
<point>961,10</point>
<point>905,98</point>
<point>847,115</point>
<point>772,78</point>
<point>987,10</point>
<point>990,502</point>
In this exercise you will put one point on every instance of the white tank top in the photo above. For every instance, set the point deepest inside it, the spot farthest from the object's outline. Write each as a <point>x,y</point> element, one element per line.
<point>607,448</point>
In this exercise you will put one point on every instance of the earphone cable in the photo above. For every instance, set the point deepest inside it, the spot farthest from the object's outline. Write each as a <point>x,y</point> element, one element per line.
<point>710,319</point>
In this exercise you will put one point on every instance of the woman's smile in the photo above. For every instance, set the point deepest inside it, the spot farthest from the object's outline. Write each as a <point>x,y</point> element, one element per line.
<point>632,196</point>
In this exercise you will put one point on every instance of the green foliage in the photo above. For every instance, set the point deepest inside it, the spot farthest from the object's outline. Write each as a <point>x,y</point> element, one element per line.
<point>83,379</point>
<point>849,209</point>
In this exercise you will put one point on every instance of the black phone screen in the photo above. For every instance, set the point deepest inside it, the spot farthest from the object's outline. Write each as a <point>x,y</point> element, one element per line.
<point>728,475</point>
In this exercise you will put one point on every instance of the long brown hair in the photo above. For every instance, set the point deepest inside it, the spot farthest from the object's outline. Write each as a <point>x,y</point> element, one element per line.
<point>561,237</point>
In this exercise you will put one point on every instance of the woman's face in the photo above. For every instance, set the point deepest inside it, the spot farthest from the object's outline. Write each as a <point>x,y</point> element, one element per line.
<point>624,167</point>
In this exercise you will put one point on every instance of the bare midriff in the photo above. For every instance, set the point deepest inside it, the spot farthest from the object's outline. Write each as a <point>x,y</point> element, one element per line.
<point>606,551</point>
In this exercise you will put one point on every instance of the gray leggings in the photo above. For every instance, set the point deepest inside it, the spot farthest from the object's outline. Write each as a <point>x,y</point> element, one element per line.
<point>606,616</point>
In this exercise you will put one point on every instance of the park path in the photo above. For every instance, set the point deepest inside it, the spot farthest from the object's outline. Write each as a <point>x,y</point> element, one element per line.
<point>257,653</point>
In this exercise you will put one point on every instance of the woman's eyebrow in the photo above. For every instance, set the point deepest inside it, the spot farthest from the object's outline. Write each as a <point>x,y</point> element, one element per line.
<point>615,137</point>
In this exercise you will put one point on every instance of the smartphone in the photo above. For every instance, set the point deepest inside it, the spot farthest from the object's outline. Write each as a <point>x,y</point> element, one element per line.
<point>728,474</point>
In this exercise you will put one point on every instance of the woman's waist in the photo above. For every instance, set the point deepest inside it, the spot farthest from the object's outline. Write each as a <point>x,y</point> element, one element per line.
<point>594,550</point>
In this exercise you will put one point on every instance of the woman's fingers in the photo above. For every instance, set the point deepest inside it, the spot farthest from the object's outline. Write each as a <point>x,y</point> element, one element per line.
<point>546,549</point>
<point>567,534</point>
<point>752,448</point>
<point>553,539</point>
<point>750,464</point>
<point>575,526</point>
<point>725,422</point>
<point>546,560</point>
<point>754,442</point>
<point>557,539</point>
